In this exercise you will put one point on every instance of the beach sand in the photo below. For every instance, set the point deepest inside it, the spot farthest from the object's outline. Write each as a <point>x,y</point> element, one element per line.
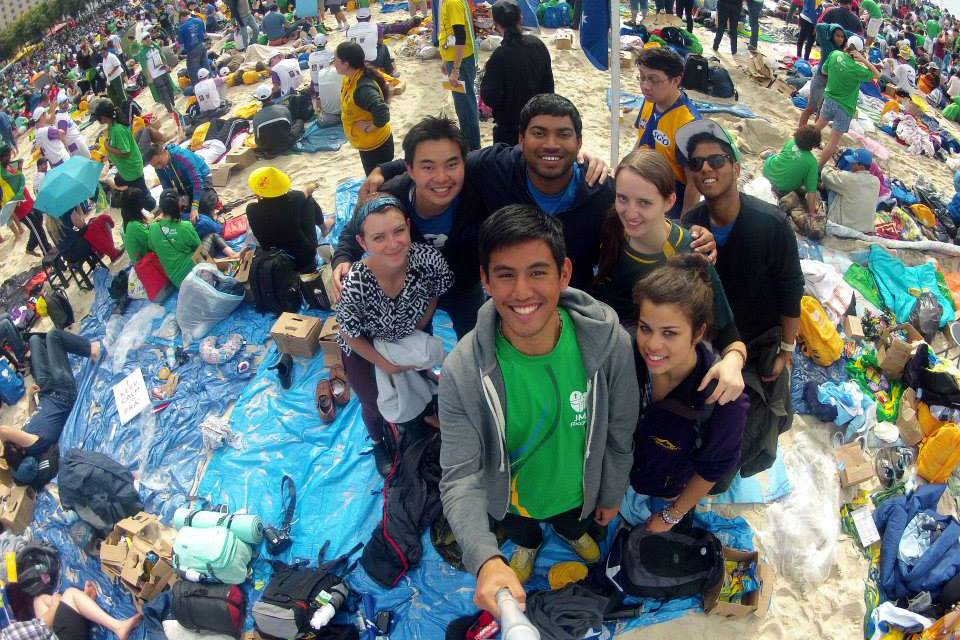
<point>832,609</point>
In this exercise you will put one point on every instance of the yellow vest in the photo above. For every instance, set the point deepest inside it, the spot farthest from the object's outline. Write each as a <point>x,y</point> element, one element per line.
<point>350,114</point>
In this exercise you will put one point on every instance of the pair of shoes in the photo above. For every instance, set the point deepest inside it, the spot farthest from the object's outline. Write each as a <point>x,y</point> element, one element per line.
<point>522,562</point>
<point>284,368</point>
<point>382,459</point>
<point>331,392</point>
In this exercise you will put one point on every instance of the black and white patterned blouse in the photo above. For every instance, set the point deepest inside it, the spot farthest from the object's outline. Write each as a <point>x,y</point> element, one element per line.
<point>365,311</point>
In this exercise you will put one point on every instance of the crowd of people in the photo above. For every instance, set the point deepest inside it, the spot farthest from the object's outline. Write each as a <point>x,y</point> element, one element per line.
<point>590,302</point>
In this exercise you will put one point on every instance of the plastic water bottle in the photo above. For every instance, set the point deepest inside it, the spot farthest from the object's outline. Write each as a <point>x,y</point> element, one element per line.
<point>329,602</point>
<point>513,624</point>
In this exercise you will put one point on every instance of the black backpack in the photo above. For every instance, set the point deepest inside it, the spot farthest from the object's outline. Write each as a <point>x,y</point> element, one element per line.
<point>59,308</point>
<point>289,601</point>
<point>301,106</point>
<point>665,566</point>
<point>696,73</point>
<point>127,111</point>
<point>98,488</point>
<point>673,35</point>
<point>38,570</point>
<point>721,85</point>
<point>274,282</point>
<point>220,608</point>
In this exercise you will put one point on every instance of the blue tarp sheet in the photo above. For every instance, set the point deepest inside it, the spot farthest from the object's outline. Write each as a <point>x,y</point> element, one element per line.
<point>338,490</point>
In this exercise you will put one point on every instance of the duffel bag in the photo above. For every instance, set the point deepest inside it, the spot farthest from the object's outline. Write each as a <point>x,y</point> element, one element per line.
<point>209,607</point>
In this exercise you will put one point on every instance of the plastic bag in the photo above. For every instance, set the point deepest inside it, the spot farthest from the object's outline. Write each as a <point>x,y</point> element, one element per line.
<point>760,188</point>
<point>122,336</point>
<point>200,306</point>
<point>925,316</point>
<point>802,529</point>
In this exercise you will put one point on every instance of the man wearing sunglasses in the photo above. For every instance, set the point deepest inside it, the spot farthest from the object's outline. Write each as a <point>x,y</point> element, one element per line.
<point>759,267</point>
<point>665,109</point>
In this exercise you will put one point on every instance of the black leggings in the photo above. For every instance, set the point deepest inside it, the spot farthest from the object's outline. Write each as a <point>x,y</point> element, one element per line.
<point>807,36</point>
<point>38,237</point>
<point>526,532</point>
<point>375,157</point>
<point>686,5</point>
<point>214,244</point>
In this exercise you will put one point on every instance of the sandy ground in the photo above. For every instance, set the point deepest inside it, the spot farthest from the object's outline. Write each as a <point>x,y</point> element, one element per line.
<point>831,609</point>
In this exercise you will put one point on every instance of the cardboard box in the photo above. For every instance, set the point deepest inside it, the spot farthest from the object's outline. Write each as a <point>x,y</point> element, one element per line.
<point>328,342</point>
<point>16,504</point>
<point>243,270</point>
<point>563,41</point>
<point>853,328</point>
<point>296,334</point>
<point>220,173</point>
<point>756,602</point>
<point>242,159</point>
<point>626,60</point>
<point>853,465</point>
<point>911,432</point>
<point>139,553</point>
<point>202,255</point>
<point>893,353</point>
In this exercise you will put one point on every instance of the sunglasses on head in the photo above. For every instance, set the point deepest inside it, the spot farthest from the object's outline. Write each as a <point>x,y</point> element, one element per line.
<point>715,161</point>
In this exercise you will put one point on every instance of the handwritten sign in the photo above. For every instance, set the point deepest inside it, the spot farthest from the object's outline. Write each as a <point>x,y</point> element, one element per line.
<point>131,396</point>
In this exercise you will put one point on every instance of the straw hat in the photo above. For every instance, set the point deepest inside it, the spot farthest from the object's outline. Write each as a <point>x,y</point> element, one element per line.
<point>269,182</point>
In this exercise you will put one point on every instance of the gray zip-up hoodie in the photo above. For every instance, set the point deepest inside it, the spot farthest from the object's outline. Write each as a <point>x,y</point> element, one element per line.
<point>476,470</point>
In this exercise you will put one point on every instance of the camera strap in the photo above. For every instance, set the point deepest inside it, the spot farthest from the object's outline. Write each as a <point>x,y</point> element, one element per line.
<point>291,503</point>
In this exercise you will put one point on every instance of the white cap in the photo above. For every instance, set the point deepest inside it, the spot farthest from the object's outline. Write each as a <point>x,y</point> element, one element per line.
<point>38,112</point>
<point>325,58</point>
<point>224,72</point>
<point>203,74</point>
<point>263,92</point>
<point>363,12</point>
<point>320,40</point>
<point>856,42</point>
<point>62,97</point>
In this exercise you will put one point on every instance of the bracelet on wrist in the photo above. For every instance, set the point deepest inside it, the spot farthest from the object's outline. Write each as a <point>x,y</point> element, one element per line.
<point>668,519</point>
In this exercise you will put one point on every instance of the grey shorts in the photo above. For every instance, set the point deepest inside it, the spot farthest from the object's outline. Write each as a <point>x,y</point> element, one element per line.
<point>817,85</point>
<point>836,115</point>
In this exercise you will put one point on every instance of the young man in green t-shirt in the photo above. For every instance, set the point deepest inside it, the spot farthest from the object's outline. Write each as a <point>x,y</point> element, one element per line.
<point>795,168</point>
<point>845,70</point>
<point>538,406</point>
<point>123,151</point>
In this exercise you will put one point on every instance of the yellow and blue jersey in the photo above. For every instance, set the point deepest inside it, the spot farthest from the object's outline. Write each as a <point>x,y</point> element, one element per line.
<point>658,130</point>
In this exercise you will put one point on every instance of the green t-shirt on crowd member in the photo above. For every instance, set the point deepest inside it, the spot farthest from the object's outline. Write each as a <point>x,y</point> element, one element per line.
<point>844,75</point>
<point>282,5</point>
<point>933,28</point>
<point>546,425</point>
<point>872,8</point>
<point>136,240</point>
<point>174,242</point>
<point>792,168</point>
<point>129,167</point>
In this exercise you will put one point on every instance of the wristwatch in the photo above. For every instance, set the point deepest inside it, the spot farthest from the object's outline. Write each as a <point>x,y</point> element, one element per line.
<point>667,518</point>
<point>789,347</point>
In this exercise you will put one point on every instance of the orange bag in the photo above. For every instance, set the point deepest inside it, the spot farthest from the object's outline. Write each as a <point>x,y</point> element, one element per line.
<point>821,341</point>
<point>939,454</point>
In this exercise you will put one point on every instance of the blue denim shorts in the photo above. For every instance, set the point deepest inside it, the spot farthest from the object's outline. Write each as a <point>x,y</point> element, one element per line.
<point>837,116</point>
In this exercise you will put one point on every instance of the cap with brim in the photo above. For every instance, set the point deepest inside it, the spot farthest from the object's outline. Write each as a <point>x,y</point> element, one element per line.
<point>320,40</point>
<point>38,113</point>
<point>263,92</point>
<point>363,12</point>
<point>688,131</point>
<point>203,74</point>
<point>856,42</point>
<point>269,182</point>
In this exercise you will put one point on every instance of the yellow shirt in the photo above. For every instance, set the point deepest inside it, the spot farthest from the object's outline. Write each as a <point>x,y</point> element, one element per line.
<point>663,128</point>
<point>454,12</point>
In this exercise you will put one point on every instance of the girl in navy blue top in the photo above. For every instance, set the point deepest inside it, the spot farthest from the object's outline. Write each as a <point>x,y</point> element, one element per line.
<point>682,445</point>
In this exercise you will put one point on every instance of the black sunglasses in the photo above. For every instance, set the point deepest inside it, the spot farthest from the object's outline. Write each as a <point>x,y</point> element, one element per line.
<point>715,161</point>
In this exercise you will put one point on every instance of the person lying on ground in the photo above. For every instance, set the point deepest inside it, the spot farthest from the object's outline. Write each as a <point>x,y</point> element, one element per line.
<point>25,448</point>
<point>546,170</point>
<point>64,616</point>
<point>678,459</point>
<point>388,295</point>
<point>542,353</point>
<point>638,239</point>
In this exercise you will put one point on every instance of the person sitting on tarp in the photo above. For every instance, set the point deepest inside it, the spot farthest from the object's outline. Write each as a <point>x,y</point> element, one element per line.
<point>795,168</point>
<point>31,452</point>
<point>274,128</point>
<point>188,174</point>
<point>285,219</point>
<point>163,238</point>
<point>684,447</point>
<point>207,91</point>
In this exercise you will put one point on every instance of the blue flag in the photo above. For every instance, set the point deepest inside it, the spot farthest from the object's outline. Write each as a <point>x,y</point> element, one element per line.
<point>595,33</point>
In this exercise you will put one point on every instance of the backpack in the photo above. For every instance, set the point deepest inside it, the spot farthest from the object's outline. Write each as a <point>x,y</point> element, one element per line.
<point>696,74</point>
<point>301,106</point>
<point>674,36</point>
<point>11,384</point>
<point>219,608</point>
<point>939,454</point>
<point>58,308</point>
<point>98,488</point>
<point>38,570</point>
<point>274,282</point>
<point>127,111</point>
<point>821,341</point>
<point>664,566</point>
<point>721,85</point>
<point>290,599</point>
<point>215,552</point>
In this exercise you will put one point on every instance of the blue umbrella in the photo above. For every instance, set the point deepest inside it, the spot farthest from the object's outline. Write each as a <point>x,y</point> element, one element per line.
<point>66,186</point>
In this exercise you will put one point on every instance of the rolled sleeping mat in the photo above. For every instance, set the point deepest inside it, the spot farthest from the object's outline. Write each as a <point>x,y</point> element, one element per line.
<point>247,527</point>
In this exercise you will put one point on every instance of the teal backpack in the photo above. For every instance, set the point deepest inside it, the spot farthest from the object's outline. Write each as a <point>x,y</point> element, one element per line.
<point>217,553</point>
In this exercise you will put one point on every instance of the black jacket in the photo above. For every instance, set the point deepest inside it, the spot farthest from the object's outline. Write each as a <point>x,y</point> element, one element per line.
<point>460,250</point>
<point>516,71</point>
<point>287,223</point>
<point>498,176</point>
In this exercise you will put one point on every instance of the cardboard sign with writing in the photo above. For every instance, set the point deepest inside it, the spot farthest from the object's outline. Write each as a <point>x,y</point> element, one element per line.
<point>131,396</point>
